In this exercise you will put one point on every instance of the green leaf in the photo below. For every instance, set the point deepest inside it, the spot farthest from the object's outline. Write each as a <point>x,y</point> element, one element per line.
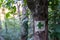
<point>8,5</point>
<point>14,8</point>
<point>0,4</point>
<point>7,15</point>
<point>1,1</point>
<point>25,2</point>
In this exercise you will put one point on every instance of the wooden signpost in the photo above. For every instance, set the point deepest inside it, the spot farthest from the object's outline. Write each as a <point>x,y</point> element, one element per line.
<point>39,9</point>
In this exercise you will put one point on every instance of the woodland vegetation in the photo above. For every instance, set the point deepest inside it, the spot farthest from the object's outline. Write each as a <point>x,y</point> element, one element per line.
<point>29,19</point>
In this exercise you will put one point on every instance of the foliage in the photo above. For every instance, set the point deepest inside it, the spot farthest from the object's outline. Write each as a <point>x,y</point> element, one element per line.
<point>14,26</point>
<point>54,17</point>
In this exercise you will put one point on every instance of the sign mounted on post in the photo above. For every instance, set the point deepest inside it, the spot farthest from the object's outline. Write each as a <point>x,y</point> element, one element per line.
<point>39,9</point>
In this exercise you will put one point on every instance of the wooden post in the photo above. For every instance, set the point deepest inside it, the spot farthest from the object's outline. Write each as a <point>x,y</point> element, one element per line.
<point>39,9</point>
<point>46,30</point>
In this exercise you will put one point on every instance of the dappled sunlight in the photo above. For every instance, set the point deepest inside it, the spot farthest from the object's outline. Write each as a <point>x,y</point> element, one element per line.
<point>29,19</point>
